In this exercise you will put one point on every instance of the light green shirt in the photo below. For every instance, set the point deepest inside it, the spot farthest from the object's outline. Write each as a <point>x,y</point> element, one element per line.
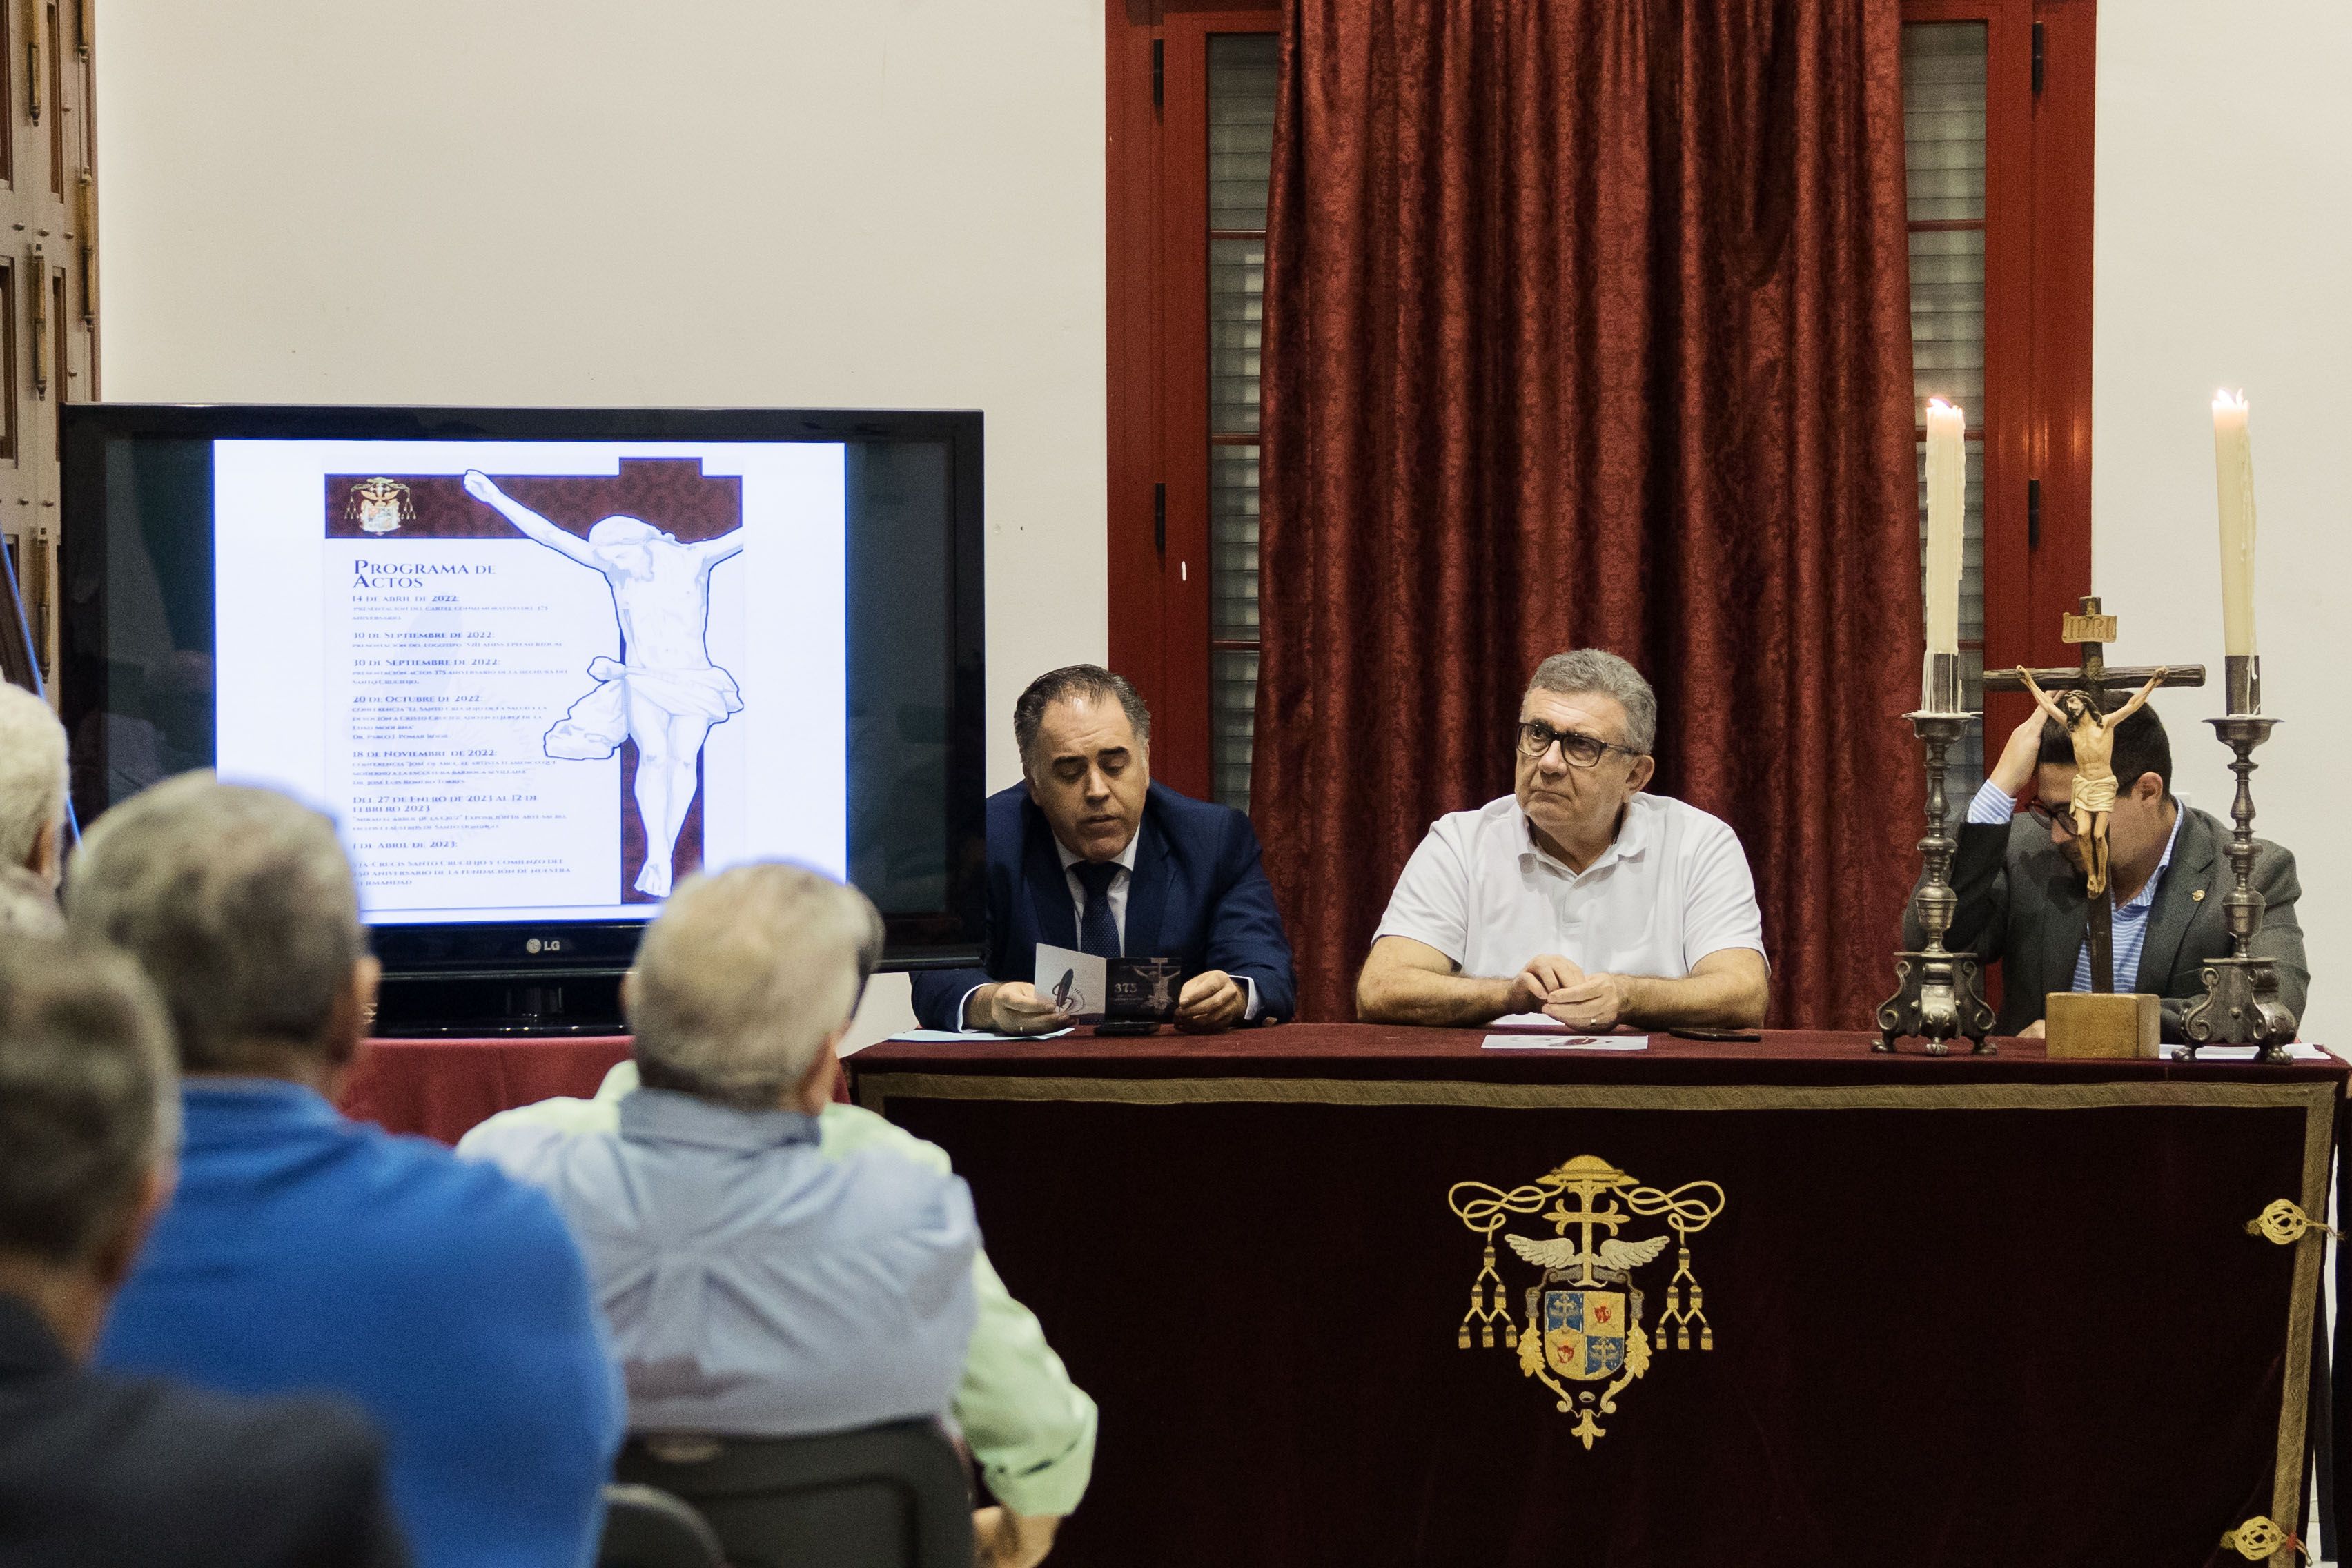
<point>1030,1428</point>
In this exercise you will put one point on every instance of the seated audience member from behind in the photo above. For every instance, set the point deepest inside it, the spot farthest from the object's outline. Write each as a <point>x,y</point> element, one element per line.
<point>1031,1430</point>
<point>103,1469</point>
<point>1087,853</point>
<point>2019,878</point>
<point>32,785</point>
<point>27,907</point>
<point>303,1251</point>
<point>756,1286</point>
<point>1578,895</point>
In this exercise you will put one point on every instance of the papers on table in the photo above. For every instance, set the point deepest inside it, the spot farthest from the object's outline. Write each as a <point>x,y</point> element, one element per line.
<point>1542,1032</point>
<point>2296,1050</point>
<point>1566,1042</point>
<point>926,1036</point>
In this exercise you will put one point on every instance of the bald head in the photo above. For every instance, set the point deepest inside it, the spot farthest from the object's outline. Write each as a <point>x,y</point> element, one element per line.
<point>746,978</point>
<point>32,783</point>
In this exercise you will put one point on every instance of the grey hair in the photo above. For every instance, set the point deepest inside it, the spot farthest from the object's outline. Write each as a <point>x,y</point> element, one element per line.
<point>89,1100</point>
<point>1589,670</point>
<point>1089,681</point>
<point>743,976</point>
<point>27,908</point>
<point>32,772</point>
<point>238,903</point>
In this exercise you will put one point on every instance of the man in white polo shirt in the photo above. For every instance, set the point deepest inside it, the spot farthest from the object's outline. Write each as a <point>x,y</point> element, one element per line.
<point>1576,895</point>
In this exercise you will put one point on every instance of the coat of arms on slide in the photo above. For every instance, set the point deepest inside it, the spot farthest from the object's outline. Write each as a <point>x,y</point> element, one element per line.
<point>381,506</point>
<point>1584,1321</point>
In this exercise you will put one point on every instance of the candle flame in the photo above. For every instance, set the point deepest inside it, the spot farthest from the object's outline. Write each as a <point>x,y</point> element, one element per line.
<point>1947,407</point>
<point>2225,398</point>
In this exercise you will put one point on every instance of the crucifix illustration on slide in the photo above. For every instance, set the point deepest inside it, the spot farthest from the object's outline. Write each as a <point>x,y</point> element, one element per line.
<point>663,693</point>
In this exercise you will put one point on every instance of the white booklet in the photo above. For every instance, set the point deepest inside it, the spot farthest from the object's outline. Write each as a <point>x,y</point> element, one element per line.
<point>1073,982</point>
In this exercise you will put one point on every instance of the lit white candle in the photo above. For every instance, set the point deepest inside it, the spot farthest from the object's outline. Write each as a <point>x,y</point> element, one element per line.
<point>2234,473</point>
<point>1946,501</point>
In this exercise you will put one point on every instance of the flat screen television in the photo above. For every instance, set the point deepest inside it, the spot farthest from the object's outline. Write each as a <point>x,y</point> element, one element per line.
<point>539,663</point>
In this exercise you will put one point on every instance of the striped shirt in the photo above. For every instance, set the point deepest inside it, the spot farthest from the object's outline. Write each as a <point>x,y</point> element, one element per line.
<point>1991,807</point>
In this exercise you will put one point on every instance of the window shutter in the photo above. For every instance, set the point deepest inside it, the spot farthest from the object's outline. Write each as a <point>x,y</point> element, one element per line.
<point>1944,165</point>
<point>1241,160</point>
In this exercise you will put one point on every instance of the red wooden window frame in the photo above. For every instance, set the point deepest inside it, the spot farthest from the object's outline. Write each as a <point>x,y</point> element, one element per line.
<point>2036,418</point>
<point>1157,79</point>
<point>2058,429</point>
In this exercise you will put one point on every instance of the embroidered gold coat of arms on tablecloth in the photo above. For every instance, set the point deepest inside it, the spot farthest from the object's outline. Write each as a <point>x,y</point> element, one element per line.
<point>1583,1319</point>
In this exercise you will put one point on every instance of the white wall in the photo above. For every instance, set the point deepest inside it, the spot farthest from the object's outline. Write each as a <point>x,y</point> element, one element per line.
<point>2223,249</point>
<point>777,202</point>
<point>899,203</point>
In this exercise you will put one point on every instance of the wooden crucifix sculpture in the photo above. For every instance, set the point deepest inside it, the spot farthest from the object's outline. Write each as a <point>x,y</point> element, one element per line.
<point>2092,800</point>
<point>2077,698</point>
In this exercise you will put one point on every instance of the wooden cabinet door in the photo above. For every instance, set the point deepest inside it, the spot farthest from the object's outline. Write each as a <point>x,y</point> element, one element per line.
<point>48,283</point>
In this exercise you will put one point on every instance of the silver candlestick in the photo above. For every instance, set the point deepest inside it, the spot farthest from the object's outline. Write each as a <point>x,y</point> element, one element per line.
<point>1940,994</point>
<point>2240,1005</point>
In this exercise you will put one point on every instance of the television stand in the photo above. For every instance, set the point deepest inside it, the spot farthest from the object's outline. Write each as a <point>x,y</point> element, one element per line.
<point>486,1004</point>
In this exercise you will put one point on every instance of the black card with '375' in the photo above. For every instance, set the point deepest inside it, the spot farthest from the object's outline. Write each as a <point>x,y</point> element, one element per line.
<point>1143,987</point>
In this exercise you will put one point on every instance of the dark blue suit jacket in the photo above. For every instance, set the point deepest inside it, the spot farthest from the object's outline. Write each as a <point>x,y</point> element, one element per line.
<point>1197,895</point>
<point>102,1469</point>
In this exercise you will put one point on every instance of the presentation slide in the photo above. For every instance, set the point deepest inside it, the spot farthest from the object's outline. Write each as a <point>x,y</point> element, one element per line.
<point>538,680</point>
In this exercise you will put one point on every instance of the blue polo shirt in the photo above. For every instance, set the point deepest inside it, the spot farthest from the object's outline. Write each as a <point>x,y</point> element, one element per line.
<point>302,1251</point>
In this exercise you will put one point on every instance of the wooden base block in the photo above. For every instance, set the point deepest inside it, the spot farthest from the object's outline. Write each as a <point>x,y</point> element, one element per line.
<point>2083,1024</point>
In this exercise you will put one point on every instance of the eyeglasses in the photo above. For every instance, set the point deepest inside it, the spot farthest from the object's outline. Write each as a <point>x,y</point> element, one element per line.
<point>1581,751</point>
<point>2063,821</point>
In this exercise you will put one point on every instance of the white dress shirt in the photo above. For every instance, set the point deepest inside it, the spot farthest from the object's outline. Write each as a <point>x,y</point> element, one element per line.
<point>1673,888</point>
<point>1125,861</point>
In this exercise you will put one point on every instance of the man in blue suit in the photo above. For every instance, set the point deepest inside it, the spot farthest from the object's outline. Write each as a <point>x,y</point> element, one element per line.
<point>1087,853</point>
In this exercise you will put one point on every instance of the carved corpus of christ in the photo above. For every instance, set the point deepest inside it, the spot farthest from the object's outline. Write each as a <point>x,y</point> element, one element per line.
<point>2095,773</point>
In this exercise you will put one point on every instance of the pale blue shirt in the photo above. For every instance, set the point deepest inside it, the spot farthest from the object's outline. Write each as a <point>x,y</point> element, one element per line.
<point>752,1285</point>
<point>1991,807</point>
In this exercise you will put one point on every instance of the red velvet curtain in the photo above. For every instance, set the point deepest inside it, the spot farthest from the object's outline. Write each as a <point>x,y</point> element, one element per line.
<point>1587,324</point>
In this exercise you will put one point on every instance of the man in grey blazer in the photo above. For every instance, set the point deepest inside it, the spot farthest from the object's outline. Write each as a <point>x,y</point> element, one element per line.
<point>2019,878</point>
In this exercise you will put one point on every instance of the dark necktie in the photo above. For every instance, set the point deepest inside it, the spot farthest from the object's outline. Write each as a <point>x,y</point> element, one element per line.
<point>1097,932</point>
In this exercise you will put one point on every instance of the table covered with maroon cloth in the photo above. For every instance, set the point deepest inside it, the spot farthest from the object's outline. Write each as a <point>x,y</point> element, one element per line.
<point>443,1088</point>
<point>1822,1307</point>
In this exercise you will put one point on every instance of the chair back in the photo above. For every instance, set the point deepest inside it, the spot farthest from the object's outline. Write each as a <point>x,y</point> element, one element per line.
<point>893,1496</point>
<point>645,1527</point>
